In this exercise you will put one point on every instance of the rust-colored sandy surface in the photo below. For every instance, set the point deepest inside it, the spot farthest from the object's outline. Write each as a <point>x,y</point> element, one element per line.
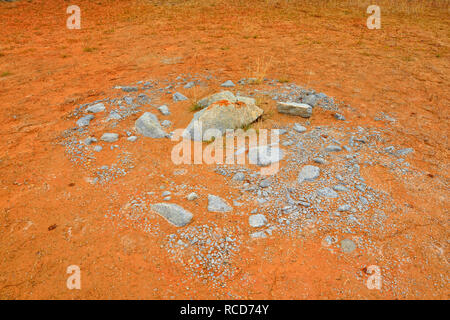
<point>52,215</point>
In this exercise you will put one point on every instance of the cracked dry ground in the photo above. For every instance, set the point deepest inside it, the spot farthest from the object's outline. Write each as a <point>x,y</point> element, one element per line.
<point>53,217</point>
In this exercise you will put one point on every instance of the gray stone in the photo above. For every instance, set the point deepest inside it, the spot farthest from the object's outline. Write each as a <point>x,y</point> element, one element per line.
<point>217,204</point>
<point>265,183</point>
<point>129,89</point>
<point>348,245</point>
<point>265,155</point>
<point>110,137</point>
<point>173,213</point>
<point>179,97</point>
<point>95,108</point>
<point>90,140</point>
<point>340,187</point>
<point>238,176</point>
<point>164,110</point>
<point>132,138</point>
<point>333,148</point>
<point>319,160</point>
<point>192,196</point>
<point>339,116</point>
<point>308,173</point>
<point>310,99</point>
<point>148,125</point>
<point>344,207</point>
<point>166,193</point>
<point>227,84</point>
<point>223,95</point>
<point>327,192</point>
<point>84,121</point>
<point>220,116</point>
<point>295,109</point>
<point>257,220</point>
<point>299,128</point>
<point>98,148</point>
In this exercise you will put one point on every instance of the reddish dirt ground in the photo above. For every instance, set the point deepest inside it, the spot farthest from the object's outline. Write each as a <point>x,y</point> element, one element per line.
<point>47,71</point>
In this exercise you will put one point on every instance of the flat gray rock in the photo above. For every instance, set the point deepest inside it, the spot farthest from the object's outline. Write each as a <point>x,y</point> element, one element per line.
<point>333,148</point>
<point>308,173</point>
<point>257,220</point>
<point>327,192</point>
<point>84,121</point>
<point>110,137</point>
<point>173,213</point>
<point>148,125</point>
<point>319,160</point>
<point>217,204</point>
<point>95,108</point>
<point>295,109</point>
<point>132,138</point>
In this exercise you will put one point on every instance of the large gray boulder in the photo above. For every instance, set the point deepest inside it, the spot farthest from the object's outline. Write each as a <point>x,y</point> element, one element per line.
<point>222,114</point>
<point>295,109</point>
<point>173,213</point>
<point>149,126</point>
<point>224,95</point>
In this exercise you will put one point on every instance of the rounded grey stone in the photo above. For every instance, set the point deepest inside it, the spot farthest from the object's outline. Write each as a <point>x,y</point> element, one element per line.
<point>257,220</point>
<point>308,173</point>
<point>110,137</point>
<point>348,245</point>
